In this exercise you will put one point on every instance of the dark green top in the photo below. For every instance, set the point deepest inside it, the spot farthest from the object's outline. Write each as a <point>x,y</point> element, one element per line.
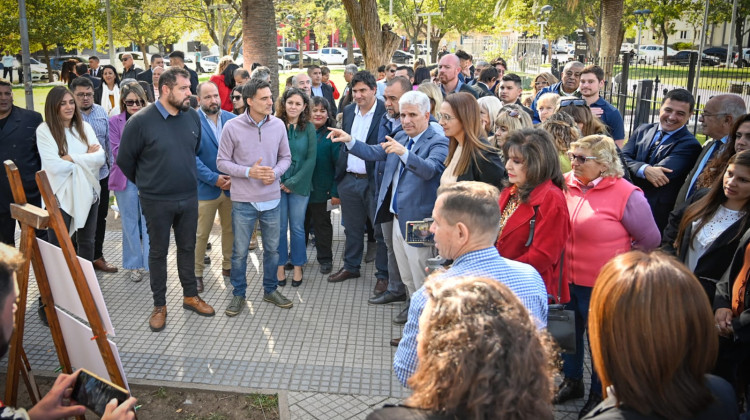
<point>303,146</point>
<point>323,184</point>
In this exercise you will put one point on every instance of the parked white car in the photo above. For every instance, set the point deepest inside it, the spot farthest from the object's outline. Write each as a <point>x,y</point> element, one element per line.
<point>651,54</point>
<point>334,56</point>
<point>39,71</point>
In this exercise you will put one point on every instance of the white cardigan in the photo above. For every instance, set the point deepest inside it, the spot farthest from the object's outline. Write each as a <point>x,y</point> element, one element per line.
<point>74,183</point>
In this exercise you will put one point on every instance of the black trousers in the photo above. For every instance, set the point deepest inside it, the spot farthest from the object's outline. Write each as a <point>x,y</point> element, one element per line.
<point>161,217</point>
<point>84,237</point>
<point>101,218</point>
<point>321,224</point>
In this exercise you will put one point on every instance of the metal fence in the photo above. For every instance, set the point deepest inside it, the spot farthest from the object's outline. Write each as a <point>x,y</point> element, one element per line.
<point>637,88</point>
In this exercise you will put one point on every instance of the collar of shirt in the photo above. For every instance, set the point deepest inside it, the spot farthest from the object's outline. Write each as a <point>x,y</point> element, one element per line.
<point>667,133</point>
<point>457,89</point>
<point>258,124</point>
<point>357,109</point>
<point>467,260</point>
<point>599,103</point>
<point>590,185</point>
<point>163,111</point>
<point>416,138</point>
<point>724,139</point>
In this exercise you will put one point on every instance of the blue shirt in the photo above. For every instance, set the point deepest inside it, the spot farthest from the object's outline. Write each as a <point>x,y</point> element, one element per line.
<point>611,118</point>
<point>215,127</point>
<point>521,278</point>
<point>99,121</point>
<point>704,161</point>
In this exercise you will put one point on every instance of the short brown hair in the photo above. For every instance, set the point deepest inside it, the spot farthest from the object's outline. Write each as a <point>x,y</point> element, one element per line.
<point>480,354</point>
<point>596,70</point>
<point>652,298</point>
<point>540,156</point>
<point>473,203</point>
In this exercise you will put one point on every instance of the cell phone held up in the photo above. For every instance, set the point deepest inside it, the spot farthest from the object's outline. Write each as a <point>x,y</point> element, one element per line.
<point>418,232</point>
<point>95,393</point>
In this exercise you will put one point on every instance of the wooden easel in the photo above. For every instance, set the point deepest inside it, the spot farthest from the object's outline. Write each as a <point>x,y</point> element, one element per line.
<point>31,217</point>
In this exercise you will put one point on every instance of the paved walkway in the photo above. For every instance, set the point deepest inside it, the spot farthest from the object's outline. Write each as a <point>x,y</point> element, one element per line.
<point>329,355</point>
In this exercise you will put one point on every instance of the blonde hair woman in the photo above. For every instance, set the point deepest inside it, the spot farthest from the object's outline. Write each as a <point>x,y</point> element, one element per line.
<point>489,108</point>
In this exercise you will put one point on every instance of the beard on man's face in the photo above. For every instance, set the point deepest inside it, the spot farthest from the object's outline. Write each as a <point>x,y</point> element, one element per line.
<point>182,106</point>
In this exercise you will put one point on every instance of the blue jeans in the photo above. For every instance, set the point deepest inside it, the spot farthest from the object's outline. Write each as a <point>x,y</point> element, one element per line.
<point>580,297</point>
<point>292,209</point>
<point>134,235</point>
<point>244,216</point>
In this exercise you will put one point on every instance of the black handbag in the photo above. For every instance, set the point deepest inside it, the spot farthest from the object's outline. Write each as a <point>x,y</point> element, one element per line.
<point>561,322</point>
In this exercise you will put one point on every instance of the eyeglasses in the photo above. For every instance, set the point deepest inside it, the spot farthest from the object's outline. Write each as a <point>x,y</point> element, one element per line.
<point>84,95</point>
<point>392,70</point>
<point>573,102</point>
<point>236,97</point>
<point>708,114</point>
<point>580,158</point>
<point>446,117</point>
<point>134,103</point>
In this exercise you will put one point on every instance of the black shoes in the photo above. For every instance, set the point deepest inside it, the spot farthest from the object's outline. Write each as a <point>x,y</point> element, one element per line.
<point>402,316</point>
<point>326,268</point>
<point>298,283</point>
<point>386,298</point>
<point>342,275</point>
<point>569,389</point>
<point>591,403</point>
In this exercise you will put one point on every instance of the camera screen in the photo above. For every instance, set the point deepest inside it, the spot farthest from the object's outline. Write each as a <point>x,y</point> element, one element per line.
<point>94,393</point>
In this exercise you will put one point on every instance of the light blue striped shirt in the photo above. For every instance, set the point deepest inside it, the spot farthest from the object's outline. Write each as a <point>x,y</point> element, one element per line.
<point>521,278</point>
<point>99,121</point>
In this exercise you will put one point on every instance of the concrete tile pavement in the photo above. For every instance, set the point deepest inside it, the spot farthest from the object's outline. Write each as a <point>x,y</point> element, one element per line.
<point>329,354</point>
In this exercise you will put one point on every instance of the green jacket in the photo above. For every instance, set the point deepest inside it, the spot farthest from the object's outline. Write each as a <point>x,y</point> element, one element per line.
<point>323,184</point>
<point>303,146</point>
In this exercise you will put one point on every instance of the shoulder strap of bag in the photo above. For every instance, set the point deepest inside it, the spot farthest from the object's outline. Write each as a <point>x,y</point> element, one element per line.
<point>532,223</point>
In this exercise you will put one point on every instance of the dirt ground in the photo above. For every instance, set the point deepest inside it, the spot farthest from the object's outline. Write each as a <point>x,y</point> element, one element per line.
<point>183,404</point>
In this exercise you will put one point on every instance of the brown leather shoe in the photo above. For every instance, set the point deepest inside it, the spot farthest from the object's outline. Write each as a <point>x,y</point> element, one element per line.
<point>226,272</point>
<point>158,319</point>
<point>395,341</point>
<point>380,287</point>
<point>342,275</point>
<point>103,265</point>
<point>199,284</point>
<point>197,305</point>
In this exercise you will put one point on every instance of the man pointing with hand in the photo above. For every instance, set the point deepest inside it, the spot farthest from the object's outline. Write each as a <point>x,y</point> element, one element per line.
<point>254,152</point>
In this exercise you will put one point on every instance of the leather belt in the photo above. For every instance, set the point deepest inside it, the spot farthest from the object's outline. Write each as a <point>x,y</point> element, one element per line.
<point>358,176</point>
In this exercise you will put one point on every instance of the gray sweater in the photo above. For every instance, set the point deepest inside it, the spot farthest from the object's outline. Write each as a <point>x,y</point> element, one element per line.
<point>158,153</point>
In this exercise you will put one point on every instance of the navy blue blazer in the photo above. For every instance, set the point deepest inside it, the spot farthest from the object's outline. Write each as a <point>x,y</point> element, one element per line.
<point>372,138</point>
<point>678,153</point>
<point>205,160</point>
<point>417,187</point>
<point>328,94</point>
<point>19,145</point>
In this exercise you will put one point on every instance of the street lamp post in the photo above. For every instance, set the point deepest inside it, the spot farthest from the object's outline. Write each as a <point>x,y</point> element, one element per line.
<point>543,14</point>
<point>109,34</point>
<point>429,33</point>
<point>640,18</point>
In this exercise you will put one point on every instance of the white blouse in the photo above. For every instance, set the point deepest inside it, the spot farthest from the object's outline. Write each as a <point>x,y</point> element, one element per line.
<point>75,184</point>
<point>721,221</point>
<point>112,110</point>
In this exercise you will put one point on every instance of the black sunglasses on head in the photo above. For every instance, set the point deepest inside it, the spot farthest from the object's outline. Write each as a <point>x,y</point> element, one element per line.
<point>573,102</point>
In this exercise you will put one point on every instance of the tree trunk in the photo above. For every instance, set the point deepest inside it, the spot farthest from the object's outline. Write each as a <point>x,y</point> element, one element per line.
<point>377,43</point>
<point>664,34</point>
<point>610,36</point>
<point>738,29</point>
<point>349,48</point>
<point>144,49</point>
<point>259,37</point>
<point>45,49</point>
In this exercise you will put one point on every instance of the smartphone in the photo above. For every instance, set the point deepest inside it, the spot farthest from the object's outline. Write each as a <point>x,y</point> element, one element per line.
<point>418,232</point>
<point>95,393</point>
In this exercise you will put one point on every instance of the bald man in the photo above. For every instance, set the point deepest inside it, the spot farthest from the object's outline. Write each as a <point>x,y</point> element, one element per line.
<point>303,82</point>
<point>448,70</point>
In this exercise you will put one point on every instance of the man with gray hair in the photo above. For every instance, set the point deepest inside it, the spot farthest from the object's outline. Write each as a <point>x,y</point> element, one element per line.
<point>568,86</point>
<point>717,120</point>
<point>414,162</point>
<point>346,96</point>
<point>303,82</point>
<point>261,73</point>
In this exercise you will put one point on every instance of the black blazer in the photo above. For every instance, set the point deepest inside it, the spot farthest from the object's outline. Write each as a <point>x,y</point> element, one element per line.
<point>328,94</point>
<point>678,153</point>
<point>488,169</point>
<point>146,76</point>
<point>481,89</point>
<point>717,258</point>
<point>724,289</point>
<point>372,138</point>
<point>19,145</point>
<point>682,195</point>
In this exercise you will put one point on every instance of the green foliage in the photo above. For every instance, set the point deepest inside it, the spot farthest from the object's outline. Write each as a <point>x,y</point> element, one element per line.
<point>684,46</point>
<point>146,22</point>
<point>50,22</point>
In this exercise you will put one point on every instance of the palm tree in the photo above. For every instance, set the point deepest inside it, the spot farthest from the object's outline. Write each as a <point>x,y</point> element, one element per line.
<point>259,37</point>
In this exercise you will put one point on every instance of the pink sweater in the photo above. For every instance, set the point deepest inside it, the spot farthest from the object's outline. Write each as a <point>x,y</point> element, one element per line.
<point>597,232</point>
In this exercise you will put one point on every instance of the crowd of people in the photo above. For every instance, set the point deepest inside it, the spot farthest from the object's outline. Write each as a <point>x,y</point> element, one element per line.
<point>528,202</point>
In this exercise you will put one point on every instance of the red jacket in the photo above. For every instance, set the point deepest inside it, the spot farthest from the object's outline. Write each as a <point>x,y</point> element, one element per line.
<point>551,230</point>
<point>224,92</point>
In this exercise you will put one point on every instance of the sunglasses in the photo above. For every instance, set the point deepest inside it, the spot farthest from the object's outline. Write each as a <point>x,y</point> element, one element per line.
<point>580,158</point>
<point>236,97</point>
<point>573,102</point>
<point>134,103</point>
<point>512,113</point>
